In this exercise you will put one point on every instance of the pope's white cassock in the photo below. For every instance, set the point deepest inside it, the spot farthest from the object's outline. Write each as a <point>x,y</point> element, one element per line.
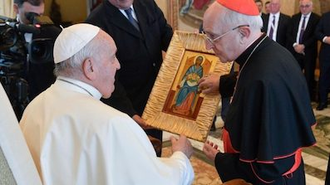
<point>76,139</point>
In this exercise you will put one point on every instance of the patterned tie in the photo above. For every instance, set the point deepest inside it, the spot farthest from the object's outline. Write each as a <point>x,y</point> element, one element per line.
<point>272,26</point>
<point>131,19</point>
<point>302,30</point>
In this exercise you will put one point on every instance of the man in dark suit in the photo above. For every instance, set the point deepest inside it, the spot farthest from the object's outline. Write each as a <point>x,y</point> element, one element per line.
<point>140,45</point>
<point>276,23</point>
<point>302,41</point>
<point>323,34</point>
<point>259,6</point>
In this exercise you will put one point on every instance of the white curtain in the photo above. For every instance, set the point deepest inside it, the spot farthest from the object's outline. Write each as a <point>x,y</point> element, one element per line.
<point>6,8</point>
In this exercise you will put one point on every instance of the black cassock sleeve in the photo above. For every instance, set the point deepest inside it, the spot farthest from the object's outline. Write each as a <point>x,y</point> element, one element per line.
<point>227,85</point>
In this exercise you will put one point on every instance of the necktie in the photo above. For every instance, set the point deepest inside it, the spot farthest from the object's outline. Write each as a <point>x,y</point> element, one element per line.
<point>272,26</point>
<point>131,19</point>
<point>302,30</point>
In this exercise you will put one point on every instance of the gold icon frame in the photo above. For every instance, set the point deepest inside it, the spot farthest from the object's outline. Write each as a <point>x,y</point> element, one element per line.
<point>161,112</point>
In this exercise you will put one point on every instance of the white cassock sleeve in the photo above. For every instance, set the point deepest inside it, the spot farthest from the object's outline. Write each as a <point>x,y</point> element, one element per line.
<point>135,158</point>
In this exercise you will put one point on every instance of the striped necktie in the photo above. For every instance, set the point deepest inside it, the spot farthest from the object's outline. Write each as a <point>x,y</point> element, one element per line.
<point>302,30</point>
<point>131,19</point>
<point>272,27</point>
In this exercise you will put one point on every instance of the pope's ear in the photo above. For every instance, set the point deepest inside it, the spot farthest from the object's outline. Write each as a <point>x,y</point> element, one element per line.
<point>88,67</point>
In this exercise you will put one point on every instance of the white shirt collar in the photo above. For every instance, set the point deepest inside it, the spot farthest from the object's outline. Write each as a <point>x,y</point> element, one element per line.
<point>82,86</point>
<point>277,15</point>
<point>127,8</point>
<point>133,12</point>
<point>307,15</point>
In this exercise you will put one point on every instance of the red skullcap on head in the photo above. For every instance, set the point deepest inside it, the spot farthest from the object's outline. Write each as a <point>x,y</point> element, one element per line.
<point>247,7</point>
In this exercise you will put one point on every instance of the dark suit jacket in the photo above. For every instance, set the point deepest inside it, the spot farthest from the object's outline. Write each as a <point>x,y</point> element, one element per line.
<point>309,39</point>
<point>263,16</point>
<point>282,27</point>
<point>308,60</point>
<point>139,53</point>
<point>322,30</point>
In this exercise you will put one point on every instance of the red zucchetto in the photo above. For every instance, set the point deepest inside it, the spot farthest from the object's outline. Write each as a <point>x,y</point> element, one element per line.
<point>247,7</point>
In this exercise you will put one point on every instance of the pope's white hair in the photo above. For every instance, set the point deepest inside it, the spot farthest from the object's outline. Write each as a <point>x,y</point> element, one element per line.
<point>72,67</point>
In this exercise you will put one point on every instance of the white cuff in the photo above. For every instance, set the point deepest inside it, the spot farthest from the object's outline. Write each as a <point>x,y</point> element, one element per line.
<point>323,40</point>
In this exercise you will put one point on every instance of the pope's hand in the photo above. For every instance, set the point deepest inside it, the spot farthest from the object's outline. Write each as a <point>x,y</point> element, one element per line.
<point>182,144</point>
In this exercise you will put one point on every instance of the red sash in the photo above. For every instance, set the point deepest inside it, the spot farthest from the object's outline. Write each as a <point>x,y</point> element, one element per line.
<point>228,148</point>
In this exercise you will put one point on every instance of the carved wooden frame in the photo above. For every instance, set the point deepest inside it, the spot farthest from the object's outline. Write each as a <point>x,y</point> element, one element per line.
<point>183,46</point>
